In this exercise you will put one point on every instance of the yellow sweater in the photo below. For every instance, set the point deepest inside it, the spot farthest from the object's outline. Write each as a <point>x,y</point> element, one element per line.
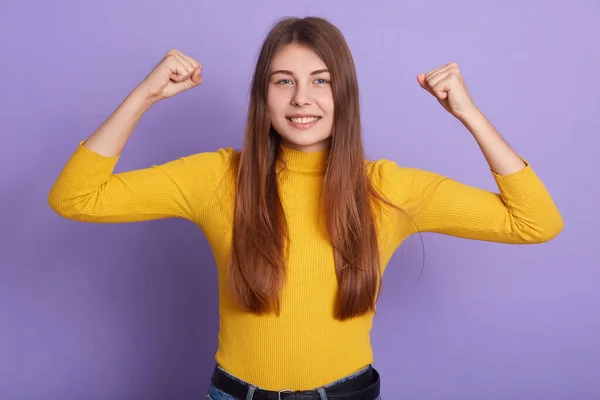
<point>305,346</point>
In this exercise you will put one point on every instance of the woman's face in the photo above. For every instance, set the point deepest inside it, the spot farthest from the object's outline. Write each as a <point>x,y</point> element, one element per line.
<point>300,99</point>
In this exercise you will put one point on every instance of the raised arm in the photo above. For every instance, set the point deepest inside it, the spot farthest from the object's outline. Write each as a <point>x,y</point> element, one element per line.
<point>175,73</point>
<point>522,212</point>
<point>88,190</point>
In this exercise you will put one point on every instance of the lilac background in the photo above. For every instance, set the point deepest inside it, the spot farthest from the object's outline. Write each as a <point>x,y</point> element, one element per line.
<point>130,311</point>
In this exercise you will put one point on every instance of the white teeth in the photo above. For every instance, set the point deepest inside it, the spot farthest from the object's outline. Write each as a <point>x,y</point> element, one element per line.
<point>304,120</point>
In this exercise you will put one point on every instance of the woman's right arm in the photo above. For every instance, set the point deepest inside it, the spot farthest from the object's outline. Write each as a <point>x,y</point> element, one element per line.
<point>175,73</point>
<point>88,190</point>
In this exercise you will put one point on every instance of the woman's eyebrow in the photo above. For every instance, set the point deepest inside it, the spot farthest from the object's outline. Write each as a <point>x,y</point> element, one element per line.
<point>287,72</point>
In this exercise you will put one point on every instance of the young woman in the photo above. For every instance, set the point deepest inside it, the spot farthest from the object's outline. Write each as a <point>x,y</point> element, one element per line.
<point>301,225</point>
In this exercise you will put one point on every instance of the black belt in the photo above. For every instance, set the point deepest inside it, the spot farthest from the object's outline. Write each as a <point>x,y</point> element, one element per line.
<point>364,386</point>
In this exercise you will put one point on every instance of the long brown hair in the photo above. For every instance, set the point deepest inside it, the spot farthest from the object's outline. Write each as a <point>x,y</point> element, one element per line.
<point>257,270</point>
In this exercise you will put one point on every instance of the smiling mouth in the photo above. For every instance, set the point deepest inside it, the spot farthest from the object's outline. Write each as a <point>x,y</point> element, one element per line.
<point>303,120</point>
<point>303,123</point>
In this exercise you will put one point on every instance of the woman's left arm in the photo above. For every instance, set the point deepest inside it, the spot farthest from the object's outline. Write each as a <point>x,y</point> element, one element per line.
<point>523,211</point>
<point>447,85</point>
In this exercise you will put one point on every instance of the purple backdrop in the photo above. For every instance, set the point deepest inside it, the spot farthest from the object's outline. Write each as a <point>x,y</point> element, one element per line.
<point>130,311</point>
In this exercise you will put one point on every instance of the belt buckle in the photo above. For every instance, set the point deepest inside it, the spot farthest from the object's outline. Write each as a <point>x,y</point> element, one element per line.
<point>283,391</point>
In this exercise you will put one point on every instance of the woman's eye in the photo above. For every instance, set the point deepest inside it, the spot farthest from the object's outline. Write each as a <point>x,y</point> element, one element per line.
<point>319,81</point>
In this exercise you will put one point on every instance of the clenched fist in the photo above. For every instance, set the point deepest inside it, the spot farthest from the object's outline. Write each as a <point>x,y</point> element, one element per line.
<point>448,86</point>
<point>175,73</point>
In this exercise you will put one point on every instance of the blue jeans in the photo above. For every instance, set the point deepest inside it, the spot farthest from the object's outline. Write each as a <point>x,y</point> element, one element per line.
<point>215,393</point>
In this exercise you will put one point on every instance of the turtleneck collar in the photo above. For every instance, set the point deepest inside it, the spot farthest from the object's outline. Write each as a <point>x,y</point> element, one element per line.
<point>307,162</point>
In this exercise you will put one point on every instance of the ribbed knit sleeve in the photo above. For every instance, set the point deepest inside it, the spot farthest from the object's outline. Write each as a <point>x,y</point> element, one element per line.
<point>522,212</point>
<point>88,190</point>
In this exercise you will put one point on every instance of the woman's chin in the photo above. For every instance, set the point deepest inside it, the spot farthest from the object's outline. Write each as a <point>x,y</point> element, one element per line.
<point>306,144</point>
